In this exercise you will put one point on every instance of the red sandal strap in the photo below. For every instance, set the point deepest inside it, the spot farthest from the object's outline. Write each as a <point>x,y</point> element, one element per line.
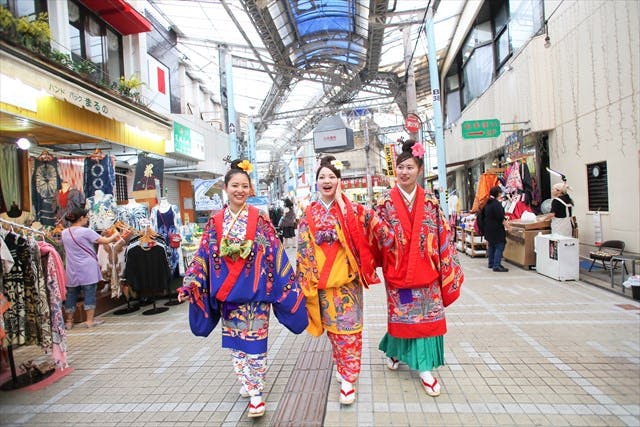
<point>347,393</point>
<point>431,386</point>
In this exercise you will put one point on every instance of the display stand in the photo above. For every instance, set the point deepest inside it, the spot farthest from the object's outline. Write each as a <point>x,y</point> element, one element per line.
<point>128,309</point>
<point>173,301</point>
<point>155,310</point>
<point>22,380</point>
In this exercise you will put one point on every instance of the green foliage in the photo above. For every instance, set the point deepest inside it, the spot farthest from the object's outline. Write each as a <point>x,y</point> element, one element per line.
<point>33,34</point>
<point>129,87</point>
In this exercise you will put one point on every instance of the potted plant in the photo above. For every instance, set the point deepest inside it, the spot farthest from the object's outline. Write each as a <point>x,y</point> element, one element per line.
<point>129,87</point>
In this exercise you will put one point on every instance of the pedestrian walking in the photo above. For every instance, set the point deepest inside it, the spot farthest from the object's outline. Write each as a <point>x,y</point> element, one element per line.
<point>246,273</point>
<point>493,227</point>
<point>422,274</point>
<point>335,262</point>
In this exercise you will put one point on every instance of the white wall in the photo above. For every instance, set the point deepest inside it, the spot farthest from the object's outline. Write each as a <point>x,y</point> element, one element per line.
<point>585,90</point>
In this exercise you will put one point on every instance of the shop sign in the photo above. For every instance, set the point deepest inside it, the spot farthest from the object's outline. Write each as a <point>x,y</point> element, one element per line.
<point>80,99</point>
<point>390,159</point>
<point>513,145</point>
<point>489,128</point>
<point>412,123</point>
<point>206,195</point>
<point>186,141</point>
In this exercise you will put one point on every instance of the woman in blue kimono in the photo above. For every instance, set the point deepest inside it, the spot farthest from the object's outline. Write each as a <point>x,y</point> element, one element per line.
<point>241,260</point>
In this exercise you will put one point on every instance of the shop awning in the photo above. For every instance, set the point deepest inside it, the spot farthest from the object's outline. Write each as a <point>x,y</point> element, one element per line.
<point>120,15</point>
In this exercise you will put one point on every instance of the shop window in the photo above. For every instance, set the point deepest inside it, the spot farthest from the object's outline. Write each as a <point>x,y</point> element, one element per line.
<point>20,8</point>
<point>598,187</point>
<point>526,19</point>
<point>121,185</point>
<point>95,43</point>
<point>478,73</point>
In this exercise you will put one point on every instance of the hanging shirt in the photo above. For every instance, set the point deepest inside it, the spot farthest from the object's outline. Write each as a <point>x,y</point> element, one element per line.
<point>45,182</point>
<point>99,174</point>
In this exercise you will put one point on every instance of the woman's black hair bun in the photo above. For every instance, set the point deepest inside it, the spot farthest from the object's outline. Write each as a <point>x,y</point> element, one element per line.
<point>235,163</point>
<point>407,145</point>
<point>326,160</point>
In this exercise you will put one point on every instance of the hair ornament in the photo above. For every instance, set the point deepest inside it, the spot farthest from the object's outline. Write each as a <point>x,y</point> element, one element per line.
<point>337,164</point>
<point>246,166</point>
<point>418,150</point>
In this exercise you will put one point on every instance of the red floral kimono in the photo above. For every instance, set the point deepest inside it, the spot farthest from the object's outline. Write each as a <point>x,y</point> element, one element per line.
<point>423,274</point>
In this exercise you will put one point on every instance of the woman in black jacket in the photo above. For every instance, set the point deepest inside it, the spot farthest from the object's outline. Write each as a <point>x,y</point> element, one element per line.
<point>494,229</point>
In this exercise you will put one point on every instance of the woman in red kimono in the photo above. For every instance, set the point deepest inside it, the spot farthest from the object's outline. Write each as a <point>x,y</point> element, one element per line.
<point>241,262</point>
<point>422,276</point>
<point>334,264</point>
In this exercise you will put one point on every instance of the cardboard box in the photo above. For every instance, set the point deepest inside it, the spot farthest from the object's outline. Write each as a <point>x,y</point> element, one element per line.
<point>538,225</point>
<point>520,249</point>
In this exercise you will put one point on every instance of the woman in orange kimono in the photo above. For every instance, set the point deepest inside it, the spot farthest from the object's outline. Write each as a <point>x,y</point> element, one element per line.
<point>335,263</point>
<point>422,275</point>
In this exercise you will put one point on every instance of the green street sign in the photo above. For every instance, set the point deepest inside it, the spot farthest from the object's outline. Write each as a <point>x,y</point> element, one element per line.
<point>489,128</point>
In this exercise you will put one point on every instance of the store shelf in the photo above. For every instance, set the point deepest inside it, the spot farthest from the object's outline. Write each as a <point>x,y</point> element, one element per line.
<point>470,243</point>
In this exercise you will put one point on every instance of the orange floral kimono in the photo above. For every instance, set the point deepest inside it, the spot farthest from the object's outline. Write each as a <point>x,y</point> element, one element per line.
<point>336,258</point>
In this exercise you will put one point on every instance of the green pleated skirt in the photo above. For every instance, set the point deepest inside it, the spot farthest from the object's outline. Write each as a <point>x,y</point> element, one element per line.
<point>421,354</point>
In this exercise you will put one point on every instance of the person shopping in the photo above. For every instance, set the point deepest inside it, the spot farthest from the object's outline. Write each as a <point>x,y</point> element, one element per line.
<point>82,268</point>
<point>241,264</point>
<point>288,225</point>
<point>494,223</point>
<point>335,261</point>
<point>422,274</point>
<point>561,213</point>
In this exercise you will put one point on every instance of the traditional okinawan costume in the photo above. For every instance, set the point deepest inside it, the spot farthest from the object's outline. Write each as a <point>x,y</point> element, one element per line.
<point>241,261</point>
<point>422,277</point>
<point>335,260</point>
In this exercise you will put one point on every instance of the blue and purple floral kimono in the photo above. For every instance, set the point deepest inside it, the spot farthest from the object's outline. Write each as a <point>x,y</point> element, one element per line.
<point>241,260</point>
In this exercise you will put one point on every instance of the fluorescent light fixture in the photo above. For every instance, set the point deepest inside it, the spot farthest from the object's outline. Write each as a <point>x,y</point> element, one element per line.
<point>23,143</point>
<point>556,173</point>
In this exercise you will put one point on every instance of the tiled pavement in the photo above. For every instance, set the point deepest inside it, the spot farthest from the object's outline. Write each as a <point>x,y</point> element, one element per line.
<point>521,349</point>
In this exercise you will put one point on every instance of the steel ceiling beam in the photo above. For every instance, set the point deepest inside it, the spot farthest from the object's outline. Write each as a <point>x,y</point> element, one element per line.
<point>266,28</point>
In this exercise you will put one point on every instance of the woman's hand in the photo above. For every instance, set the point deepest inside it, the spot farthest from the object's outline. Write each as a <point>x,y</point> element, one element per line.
<point>339,199</point>
<point>182,296</point>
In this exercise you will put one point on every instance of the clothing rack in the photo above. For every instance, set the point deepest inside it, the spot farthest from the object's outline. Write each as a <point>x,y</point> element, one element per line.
<point>517,159</point>
<point>27,378</point>
<point>495,171</point>
<point>15,224</point>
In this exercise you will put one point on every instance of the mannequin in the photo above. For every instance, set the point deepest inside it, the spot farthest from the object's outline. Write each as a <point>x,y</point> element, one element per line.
<point>165,220</point>
<point>164,205</point>
<point>67,199</point>
<point>101,209</point>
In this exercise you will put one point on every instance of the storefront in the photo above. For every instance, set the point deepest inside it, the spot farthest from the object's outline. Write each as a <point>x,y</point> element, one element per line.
<point>356,187</point>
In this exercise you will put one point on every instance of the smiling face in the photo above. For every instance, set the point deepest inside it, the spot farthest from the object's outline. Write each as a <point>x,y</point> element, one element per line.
<point>327,183</point>
<point>238,189</point>
<point>408,172</point>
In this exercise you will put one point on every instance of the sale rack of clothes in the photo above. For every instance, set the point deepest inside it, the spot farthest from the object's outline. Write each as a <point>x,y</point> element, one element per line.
<point>147,268</point>
<point>32,290</point>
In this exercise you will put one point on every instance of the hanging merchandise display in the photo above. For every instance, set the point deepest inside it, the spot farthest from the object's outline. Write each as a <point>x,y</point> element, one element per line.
<point>10,178</point>
<point>45,183</point>
<point>148,171</point>
<point>99,174</point>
